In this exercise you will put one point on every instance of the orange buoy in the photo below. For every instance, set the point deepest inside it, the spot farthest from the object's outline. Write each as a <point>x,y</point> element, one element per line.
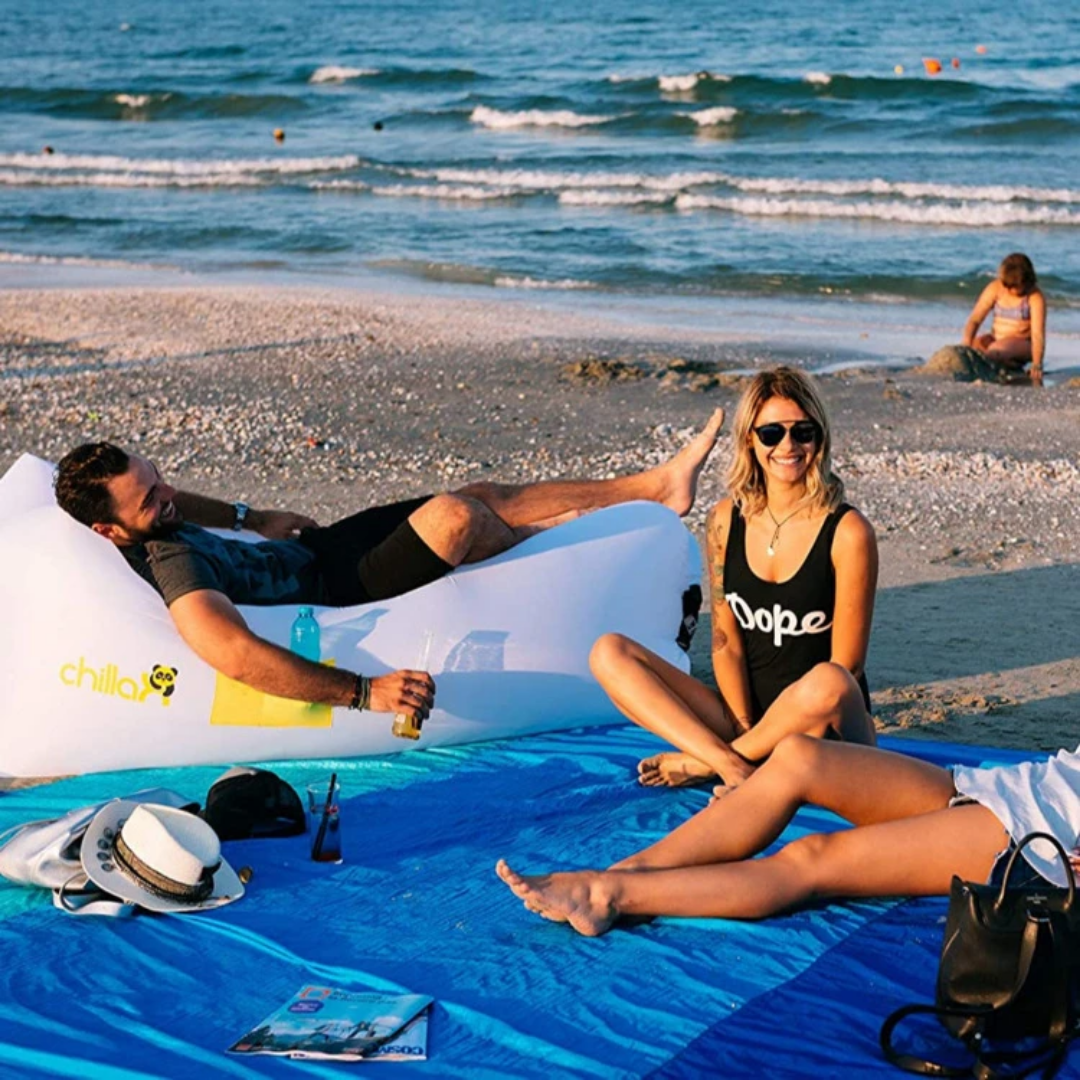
<point>279,134</point>
<point>932,66</point>
<point>980,49</point>
<point>955,61</point>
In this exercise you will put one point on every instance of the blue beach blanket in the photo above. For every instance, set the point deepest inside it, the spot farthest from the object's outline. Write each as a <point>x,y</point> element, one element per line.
<point>416,907</point>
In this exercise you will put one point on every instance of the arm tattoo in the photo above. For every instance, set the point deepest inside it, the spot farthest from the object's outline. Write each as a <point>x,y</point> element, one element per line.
<point>715,549</point>
<point>719,638</point>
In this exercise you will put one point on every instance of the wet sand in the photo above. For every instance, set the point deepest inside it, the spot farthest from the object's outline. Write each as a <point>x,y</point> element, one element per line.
<point>328,400</point>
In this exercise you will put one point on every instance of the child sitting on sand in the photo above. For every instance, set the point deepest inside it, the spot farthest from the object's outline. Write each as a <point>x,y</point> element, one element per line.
<point>1018,333</point>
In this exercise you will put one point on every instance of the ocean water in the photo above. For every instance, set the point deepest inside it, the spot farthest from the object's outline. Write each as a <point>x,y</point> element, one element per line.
<point>772,149</point>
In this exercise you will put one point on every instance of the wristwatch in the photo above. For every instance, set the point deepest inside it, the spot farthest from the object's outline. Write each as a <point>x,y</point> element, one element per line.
<point>241,515</point>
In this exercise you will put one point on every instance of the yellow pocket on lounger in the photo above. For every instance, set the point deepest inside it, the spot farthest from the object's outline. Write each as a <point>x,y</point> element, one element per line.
<point>237,705</point>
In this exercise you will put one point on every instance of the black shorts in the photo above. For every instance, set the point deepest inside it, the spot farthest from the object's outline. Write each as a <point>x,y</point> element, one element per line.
<point>373,555</point>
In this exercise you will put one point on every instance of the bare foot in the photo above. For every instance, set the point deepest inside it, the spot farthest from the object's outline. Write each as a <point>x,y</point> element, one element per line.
<point>673,769</point>
<point>679,476</point>
<point>579,899</point>
<point>734,771</point>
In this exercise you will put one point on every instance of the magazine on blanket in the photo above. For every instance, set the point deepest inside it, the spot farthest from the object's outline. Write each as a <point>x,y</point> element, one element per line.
<point>327,1024</point>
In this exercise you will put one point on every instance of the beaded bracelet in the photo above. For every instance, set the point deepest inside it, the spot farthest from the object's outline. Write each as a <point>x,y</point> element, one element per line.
<point>361,697</point>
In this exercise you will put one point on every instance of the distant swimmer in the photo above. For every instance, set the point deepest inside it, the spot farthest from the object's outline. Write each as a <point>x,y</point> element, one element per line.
<point>1018,333</point>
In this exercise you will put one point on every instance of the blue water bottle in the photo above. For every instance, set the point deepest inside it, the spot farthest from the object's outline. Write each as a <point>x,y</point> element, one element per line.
<point>304,637</point>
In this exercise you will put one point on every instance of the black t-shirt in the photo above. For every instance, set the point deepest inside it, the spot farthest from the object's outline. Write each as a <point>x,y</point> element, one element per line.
<point>192,558</point>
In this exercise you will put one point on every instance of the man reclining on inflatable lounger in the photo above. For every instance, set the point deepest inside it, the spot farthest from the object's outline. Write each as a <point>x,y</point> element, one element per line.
<point>373,555</point>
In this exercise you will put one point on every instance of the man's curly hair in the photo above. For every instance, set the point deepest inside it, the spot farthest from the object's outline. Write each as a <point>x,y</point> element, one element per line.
<point>82,478</point>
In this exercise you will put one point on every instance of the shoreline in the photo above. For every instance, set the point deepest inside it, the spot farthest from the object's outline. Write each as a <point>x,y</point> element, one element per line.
<point>841,332</point>
<point>328,399</point>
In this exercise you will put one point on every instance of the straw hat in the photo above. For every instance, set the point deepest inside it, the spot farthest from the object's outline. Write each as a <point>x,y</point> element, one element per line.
<point>158,857</point>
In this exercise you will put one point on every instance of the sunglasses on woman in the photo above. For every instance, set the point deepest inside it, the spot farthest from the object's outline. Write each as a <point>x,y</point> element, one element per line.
<point>803,432</point>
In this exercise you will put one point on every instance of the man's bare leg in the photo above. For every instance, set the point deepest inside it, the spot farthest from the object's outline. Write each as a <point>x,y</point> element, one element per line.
<point>461,530</point>
<point>481,520</point>
<point>674,484</point>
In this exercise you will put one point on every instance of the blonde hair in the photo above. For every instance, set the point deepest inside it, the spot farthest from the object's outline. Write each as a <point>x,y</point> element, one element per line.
<point>745,478</point>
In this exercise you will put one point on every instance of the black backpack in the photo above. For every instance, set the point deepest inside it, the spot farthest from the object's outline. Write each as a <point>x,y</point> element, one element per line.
<point>1008,975</point>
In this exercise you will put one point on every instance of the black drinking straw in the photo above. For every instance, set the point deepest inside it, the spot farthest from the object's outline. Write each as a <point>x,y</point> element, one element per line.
<point>316,848</point>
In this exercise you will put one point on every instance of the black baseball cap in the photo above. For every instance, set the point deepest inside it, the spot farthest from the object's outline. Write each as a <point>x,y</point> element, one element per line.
<point>245,803</point>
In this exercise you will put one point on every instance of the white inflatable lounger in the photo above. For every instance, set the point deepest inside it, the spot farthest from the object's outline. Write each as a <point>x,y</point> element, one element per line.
<point>94,676</point>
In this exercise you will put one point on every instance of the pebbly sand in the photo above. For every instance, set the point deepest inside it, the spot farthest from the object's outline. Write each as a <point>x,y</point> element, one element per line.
<point>328,400</point>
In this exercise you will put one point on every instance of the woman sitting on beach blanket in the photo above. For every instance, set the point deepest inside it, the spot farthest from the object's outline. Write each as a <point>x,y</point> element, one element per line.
<point>792,570</point>
<point>916,825</point>
<point>1018,333</point>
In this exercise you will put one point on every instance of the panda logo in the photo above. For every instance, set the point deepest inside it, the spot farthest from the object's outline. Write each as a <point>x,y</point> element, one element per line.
<point>161,680</point>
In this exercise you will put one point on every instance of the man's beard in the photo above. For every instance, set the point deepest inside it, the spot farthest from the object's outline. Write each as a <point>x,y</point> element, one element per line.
<point>164,529</point>
<point>160,530</point>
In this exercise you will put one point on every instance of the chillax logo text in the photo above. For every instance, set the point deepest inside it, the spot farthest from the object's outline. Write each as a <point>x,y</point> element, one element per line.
<point>159,681</point>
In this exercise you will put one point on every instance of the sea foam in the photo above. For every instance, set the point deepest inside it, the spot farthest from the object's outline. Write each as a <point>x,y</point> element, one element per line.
<point>555,181</point>
<point>25,178</point>
<point>19,258</point>
<point>681,84</point>
<point>779,185</point>
<point>909,213</point>
<point>336,73</point>
<point>510,281</point>
<point>466,192</point>
<point>887,200</point>
<point>678,84</point>
<point>721,114</point>
<point>499,120</point>
<point>592,197</point>
<point>178,167</point>
<point>138,101</point>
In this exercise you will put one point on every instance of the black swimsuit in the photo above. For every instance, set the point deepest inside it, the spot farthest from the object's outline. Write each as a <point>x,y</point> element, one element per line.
<point>786,626</point>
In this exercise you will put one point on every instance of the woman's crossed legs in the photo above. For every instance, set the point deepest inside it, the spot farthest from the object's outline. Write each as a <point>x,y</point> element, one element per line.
<point>685,712</point>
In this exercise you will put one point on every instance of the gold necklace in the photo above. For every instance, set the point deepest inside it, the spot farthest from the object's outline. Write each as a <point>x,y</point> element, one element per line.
<point>771,549</point>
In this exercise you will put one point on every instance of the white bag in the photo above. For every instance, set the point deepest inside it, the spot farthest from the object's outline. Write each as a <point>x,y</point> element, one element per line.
<point>46,853</point>
<point>80,896</point>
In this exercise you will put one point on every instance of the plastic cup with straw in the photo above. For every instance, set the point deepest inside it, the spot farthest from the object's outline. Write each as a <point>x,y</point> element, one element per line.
<point>326,847</point>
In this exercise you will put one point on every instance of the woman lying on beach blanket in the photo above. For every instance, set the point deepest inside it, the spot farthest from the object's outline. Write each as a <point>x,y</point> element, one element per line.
<point>792,570</point>
<point>916,825</point>
<point>1018,333</point>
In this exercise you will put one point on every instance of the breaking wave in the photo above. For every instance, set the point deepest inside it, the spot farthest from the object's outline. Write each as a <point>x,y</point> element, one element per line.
<point>335,73</point>
<point>498,120</point>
